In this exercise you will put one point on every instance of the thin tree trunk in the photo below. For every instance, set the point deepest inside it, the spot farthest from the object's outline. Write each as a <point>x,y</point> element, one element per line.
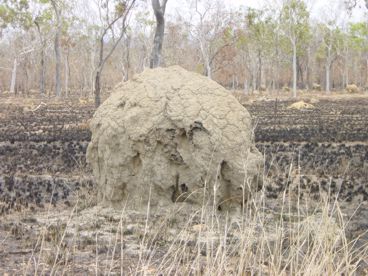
<point>259,77</point>
<point>42,72</point>
<point>13,77</point>
<point>366,67</point>
<point>328,66</point>
<point>299,72</point>
<point>128,40</point>
<point>92,79</point>
<point>42,59</point>
<point>67,73</point>
<point>98,74</point>
<point>58,64</point>
<point>308,71</point>
<point>57,49</point>
<point>208,72</point>
<point>159,11</point>
<point>346,72</point>
<point>294,70</point>
<point>98,89</point>
<point>102,59</point>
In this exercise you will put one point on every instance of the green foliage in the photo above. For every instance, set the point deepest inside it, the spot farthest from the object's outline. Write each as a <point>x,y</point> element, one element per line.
<point>359,36</point>
<point>295,22</point>
<point>18,14</point>
<point>332,40</point>
<point>259,31</point>
<point>15,13</point>
<point>120,8</point>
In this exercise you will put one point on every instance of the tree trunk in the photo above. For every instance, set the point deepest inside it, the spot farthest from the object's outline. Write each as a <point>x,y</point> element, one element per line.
<point>58,64</point>
<point>42,72</point>
<point>67,73</point>
<point>299,73</point>
<point>366,84</point>
<point>13,77</point>
<point>127,43</point>
<point>208,71</point>
<point>98,74</point>
<point>102,59</point>
<point>93,65</point>
<point>294,70</point>
<point>328,66</point>
<point>346,72</point>
<point>42,60</point>
<point>98,89</point>
<point>259,77</point>
<point>57,49</point>
<point>159,11</point>
<point>309,85</point>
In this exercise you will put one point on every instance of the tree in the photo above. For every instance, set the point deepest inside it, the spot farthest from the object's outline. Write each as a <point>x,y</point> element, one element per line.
<point>214,32</point>
<point>121,14</point>
<point>350,4</point>
<point>16,13</point>
<point>42,20</point>
<point>56,5</point>
<point>256,40</point>
<point>295,25</point>
<point>359,41</point>
<point>331,40</point>
<point>159,10</point>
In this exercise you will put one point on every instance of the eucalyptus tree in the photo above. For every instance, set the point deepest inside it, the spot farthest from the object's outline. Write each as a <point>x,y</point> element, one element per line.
<point>260,37</point>
<point>295,26</point>
<point>210,26</point>
<point>358,33</point>
<point>42,22</point>
<point>57,7</point>
<point>16,14</point>
<point>331,38</point>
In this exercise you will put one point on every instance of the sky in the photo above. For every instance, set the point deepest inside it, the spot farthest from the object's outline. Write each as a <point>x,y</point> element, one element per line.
<point>320,9</point>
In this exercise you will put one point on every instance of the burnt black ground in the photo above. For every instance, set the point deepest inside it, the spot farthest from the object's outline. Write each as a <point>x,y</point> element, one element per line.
<point>42,150</point>
<point>42,159</point>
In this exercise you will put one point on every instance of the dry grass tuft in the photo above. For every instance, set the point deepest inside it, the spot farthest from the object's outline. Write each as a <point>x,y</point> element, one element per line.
<point>301,105</point>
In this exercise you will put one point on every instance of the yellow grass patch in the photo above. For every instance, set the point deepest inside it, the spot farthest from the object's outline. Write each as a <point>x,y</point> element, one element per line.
<point>301,105</point>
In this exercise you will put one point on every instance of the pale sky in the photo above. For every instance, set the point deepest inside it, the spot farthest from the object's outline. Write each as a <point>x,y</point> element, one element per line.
<point>320,9</point>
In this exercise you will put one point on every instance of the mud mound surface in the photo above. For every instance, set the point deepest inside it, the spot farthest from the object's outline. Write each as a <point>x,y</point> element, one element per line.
<point>167,134</point>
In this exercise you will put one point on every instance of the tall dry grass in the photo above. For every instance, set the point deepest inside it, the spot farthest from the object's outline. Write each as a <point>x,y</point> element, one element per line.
<point>295,239</point>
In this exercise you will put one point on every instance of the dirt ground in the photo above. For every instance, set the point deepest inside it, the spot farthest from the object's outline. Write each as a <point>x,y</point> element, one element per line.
<point>49,221</point>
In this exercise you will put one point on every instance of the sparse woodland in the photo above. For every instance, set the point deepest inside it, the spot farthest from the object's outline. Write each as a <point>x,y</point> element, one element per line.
<point>74,47</point>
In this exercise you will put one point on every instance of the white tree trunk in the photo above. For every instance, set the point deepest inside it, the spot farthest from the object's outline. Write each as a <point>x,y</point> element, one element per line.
<point>208,70</point>
<point>294,70</point>
<point>13,77</point>
<point>328,66</point>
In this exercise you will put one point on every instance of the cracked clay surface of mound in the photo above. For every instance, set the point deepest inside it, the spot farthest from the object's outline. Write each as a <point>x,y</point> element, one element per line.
<point>170,135</point>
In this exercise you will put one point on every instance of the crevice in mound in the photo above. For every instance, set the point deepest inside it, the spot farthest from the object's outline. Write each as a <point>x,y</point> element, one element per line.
<point>225,186</point>
<point>137,164</point>
<point>196,126</point>
<point>180,191</point>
